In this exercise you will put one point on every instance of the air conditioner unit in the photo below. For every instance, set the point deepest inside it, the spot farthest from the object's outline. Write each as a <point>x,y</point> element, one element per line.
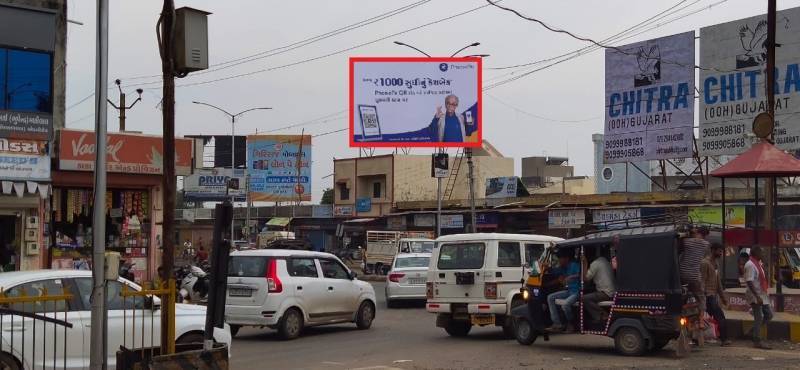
<point>191,40</point>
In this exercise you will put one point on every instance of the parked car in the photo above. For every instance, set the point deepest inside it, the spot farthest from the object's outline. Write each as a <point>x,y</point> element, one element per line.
<point>407,277</point>
<point>474,278</point>
<point>289,290</point>
<point>21,333</point>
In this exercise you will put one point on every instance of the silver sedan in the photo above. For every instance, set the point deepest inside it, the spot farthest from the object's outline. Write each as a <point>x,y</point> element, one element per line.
<point>406,280</point>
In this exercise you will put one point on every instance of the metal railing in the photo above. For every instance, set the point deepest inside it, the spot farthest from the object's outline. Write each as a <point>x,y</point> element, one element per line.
<point>35,329</point>
<point>141,333</point>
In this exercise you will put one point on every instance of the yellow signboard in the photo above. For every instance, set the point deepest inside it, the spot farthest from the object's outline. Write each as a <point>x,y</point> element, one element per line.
<point>734,215</point>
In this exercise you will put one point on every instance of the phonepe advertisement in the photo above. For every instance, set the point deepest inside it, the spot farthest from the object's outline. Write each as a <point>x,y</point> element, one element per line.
<point>428,102</point>
<point>650,100</point>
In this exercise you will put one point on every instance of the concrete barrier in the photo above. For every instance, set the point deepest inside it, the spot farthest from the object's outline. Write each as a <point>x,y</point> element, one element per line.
<point>784,326</point>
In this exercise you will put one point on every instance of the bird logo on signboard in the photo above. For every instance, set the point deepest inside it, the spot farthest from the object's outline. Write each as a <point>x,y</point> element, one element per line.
<point>649,62</point>
<point>754,43</point>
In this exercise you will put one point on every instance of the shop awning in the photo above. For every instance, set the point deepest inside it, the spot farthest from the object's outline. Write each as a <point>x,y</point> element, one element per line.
<point>359,220</point>
<point>279,221</point>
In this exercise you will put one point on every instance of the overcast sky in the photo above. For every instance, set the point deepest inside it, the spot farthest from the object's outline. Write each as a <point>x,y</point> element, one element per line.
<point>532,115</point>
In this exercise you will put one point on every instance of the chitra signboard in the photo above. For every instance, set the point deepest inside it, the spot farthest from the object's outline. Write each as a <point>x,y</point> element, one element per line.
<point>734,57</point>
<point>428,102</point>
<point>650,100</point>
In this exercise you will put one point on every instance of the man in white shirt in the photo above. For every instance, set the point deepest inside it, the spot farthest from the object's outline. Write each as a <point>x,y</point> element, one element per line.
<point>757,294</point>
<point>601,274</point>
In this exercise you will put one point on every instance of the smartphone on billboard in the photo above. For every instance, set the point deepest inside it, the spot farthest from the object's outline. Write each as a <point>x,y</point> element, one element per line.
<point>370,126</point>
<point>468,117</point>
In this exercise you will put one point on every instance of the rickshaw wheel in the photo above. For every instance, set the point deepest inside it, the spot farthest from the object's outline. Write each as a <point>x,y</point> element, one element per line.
<point>628,341</point>
<point>660,343</point>
<point>523,331</point>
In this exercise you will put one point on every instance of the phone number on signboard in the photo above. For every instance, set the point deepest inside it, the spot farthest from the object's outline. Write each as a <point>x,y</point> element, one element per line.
<point>724,130</point>
<point>736,143</point>
<point>624,153</point>
<point>623,143</point>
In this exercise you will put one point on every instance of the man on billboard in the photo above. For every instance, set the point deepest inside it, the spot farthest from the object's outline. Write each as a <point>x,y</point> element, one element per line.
<point>448,127</point>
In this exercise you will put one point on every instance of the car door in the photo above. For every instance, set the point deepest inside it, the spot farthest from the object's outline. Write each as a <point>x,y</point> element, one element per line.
<point>130,324</point>
<point>341,293</point>
<point>39,343</point>
<point>309,289</point>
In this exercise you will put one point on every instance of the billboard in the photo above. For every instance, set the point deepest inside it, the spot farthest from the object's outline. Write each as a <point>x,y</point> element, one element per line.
<point>126,153</point>
<point>649,100</point>
<point>273,162</point>
<point>733,57</point>
<point>423,102</point>
<point>211,184</point>
<point>22,159</point>
<point>501,187</point>
<point>734,215</point>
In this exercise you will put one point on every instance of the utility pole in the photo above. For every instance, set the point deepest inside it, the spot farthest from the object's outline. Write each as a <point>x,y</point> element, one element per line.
<point>770,188</point>
<point>298,163</point>
<point>122,107</point>
<point>467,151</point>
<point>167,51</point>
<point>99,332</point>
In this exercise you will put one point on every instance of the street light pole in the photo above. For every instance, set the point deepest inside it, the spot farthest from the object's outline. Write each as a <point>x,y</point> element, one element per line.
<point>467,152</point>
<point>122,106</point>
<point>233,145</point>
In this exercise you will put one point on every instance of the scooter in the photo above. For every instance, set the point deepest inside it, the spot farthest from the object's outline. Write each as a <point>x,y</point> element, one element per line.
<point>194,283</point>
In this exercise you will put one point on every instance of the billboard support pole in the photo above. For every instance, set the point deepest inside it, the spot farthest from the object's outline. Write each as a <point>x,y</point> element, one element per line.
<point>471,168</point>
<point>770,186</point>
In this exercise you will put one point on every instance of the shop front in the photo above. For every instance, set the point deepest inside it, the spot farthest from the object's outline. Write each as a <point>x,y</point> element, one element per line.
<point>133,200</point>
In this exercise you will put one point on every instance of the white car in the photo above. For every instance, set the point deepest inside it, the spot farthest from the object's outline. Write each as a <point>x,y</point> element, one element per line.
<point>288,290</point>
<point>406,280</point>
<point>133,324</point>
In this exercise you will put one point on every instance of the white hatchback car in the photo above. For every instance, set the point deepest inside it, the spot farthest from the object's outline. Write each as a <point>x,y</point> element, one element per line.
<point>288,290</point>
<point>20,334</point>
<point>406,280</point>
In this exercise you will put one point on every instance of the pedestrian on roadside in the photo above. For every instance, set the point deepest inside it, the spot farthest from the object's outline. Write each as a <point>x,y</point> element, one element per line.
<point>693,250</point>
<point>757,294</point>
<point>715,293</point>
<point>743,258</point>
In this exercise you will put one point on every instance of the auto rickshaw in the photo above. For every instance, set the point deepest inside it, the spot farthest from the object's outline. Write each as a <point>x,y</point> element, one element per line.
<point>650,307</point>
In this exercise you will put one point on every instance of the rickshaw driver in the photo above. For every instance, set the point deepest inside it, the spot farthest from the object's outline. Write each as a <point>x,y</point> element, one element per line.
<point>601,274</point>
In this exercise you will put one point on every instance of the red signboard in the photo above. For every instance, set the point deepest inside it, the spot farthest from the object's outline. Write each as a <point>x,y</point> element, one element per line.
<point>127,153</point>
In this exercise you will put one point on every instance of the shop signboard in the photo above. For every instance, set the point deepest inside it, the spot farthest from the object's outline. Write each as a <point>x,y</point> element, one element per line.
<point>734,215</point>
<point>649,100</point>
<point>452,221</point>
<point>322,211</point>
<point>22,159</point>
<point>212,184</point>
<point>396,223</point>
<point>732,89</point>
<point>273,162</point>
<point>126,153</point>
<point>423,102</point>
<point>487,220</point>
<point>363,204</point>
<point>342,211</point>
<point>617,218</point>
<point>425,220</point>
<point>566,218</point>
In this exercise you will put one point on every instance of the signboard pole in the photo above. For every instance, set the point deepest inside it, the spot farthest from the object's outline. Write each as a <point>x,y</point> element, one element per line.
<point>99,319</point>
<point>438,207</point>
<point>471,168</point>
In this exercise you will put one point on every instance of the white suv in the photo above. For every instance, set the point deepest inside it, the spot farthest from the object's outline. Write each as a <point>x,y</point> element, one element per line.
<point>288,290</point>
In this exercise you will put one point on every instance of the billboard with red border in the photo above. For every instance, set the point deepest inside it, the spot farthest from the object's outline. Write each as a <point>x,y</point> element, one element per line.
<point>415,102</point>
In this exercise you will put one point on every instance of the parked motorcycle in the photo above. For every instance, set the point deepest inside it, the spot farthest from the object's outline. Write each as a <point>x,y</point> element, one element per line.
<point>193,284</point>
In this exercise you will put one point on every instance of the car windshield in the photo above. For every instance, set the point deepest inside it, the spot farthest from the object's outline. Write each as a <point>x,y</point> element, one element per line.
<point>461,256</point>
<point>404,262</point>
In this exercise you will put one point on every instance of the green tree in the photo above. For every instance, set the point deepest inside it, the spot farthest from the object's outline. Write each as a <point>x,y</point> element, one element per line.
<point>327,196</point>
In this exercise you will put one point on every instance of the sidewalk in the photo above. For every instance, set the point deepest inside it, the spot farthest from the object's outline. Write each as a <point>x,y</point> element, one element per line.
<point>784,326</point>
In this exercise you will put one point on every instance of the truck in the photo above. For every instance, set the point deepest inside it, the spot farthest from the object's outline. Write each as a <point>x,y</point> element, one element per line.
<point>382,246</point>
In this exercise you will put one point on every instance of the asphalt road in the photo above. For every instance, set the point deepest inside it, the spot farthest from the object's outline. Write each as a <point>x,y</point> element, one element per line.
<point>407,338</point>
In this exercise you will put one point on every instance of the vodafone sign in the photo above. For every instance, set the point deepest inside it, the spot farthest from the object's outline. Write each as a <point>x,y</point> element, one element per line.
<point>128,153</point>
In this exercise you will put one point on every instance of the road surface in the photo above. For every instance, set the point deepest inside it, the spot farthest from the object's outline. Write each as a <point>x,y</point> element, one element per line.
<point>406,338</point>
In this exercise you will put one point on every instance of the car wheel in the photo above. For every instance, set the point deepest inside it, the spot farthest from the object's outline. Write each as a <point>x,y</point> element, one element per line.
<point>191,338</point>
<point>366,314</point>
<point>628,341</point>
<point>508,325</point>
<point>523,331</point>
<point>291,324</point>
<point>378,269</point>
<point>7,362</point>
<point>235,330</point>
<point>458,328</point>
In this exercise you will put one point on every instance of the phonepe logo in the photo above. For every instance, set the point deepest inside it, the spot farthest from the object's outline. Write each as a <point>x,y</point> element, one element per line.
<point>443,67</point>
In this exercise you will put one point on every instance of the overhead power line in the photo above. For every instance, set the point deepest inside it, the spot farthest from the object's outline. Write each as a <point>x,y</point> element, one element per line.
<point>541,117</point>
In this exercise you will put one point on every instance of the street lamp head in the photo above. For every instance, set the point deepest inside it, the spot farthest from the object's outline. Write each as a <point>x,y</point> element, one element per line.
<point>399,43</point>
<point>139,91</point>
<point>118,82</point>
<point>475,44</point>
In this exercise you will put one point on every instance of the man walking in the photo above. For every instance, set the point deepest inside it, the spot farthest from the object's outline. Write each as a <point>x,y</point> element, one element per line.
<point>714,292</point>
<point>693,250</point>
<point>758,295</point>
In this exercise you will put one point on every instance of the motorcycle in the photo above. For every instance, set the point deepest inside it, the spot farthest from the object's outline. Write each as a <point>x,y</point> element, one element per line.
<point>193,284</point>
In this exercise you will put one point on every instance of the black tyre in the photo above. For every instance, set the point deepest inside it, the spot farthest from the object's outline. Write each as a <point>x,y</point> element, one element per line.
<point>235,330</point>
<point>190,338</point>
<point>8,362</point>
<point>291,324</point>
<point>391,303</point>
<point>378,269</point>
<point>629,342</point>
<point>365,316</point>
<point>458,328</point>
<point>508,325</point>
<point>523,331</point>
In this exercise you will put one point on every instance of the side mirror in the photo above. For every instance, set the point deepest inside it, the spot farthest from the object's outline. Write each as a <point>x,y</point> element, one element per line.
<point>353,275</point>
